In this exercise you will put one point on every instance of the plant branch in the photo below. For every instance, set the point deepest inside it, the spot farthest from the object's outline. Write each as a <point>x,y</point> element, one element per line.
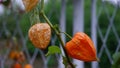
<point>57,33</point>
<point>67,35</point>
<point>42,4</point>
<point>59,37</point>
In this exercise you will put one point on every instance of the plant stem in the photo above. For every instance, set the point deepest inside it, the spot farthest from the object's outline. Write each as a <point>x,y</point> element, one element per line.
<point>42,4</point>
<point>59,37</point>
<point>67,35</point>
<point>56,31</point>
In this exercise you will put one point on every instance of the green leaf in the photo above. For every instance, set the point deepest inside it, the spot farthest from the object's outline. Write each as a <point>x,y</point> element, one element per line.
<point>116,60</point>
<point>53,50</point>
<point>116,57</point>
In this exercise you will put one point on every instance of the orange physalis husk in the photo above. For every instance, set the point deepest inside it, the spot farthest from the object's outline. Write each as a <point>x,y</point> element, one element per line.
<point>40,35</point>
<point>17,65</point>
<point>20,56</point>
<point>30,4</point>
<point>17,55</point>
<point>28,66</point>
<point>12,54</point>
<point>81,47</point>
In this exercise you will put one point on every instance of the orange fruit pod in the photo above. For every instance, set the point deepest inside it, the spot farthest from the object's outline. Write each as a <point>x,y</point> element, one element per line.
<point>17,55</point>
<point>30,4</point>
<point>20,56</point>
<point>17,65</point>
<point>81,47</point>
<point>12,54</point>
<point>40,35</point>
<point>28,66</point>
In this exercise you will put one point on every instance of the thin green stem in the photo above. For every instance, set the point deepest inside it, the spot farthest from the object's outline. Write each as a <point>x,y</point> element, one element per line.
<point>42,4</point>
<point>45,17</point>
<point>67,35</point>
<point>57,33</point>
<point>59,37</point>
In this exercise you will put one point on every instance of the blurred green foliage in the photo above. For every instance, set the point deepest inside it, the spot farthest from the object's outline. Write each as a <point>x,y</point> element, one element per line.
<point>104,23</point>
<point>116,59</point>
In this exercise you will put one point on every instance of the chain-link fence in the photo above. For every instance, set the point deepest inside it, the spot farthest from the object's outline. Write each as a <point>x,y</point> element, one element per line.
<point>104,32</point>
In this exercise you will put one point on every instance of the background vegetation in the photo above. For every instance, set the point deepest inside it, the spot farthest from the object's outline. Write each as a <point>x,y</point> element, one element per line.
<point>53,12</point>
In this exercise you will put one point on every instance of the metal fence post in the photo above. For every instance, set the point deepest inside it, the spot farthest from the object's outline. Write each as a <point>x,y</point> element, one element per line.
<point>93,28</point>
<point>78,23</point>
<point>63,28</point>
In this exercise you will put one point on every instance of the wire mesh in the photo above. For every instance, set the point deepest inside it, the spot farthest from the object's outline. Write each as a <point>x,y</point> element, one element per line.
<point>37,59</point>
